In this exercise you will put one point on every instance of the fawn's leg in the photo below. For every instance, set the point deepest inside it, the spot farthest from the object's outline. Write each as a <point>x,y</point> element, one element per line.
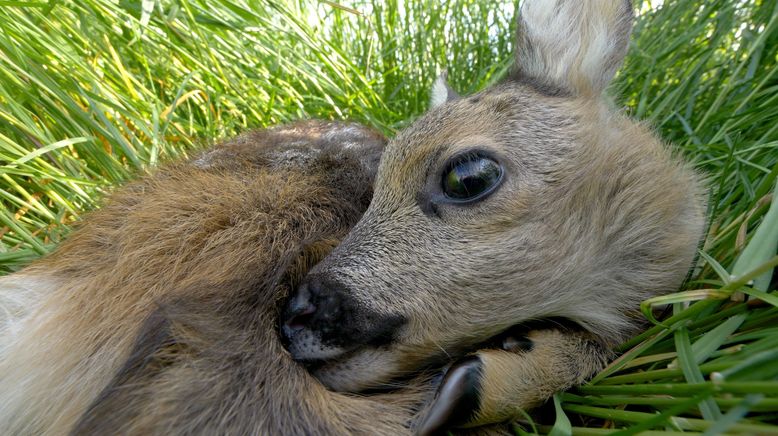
<point>495,385</point>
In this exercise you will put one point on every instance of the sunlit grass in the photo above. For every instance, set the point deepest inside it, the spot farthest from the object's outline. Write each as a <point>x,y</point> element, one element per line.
<point>94,92</point>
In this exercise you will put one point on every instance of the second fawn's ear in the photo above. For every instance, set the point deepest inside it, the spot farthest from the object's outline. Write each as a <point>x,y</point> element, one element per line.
<point>575,46</point>
<point>441,92</point>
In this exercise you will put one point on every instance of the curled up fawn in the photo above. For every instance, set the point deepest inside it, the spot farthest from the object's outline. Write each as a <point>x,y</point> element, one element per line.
<point>508,241</point>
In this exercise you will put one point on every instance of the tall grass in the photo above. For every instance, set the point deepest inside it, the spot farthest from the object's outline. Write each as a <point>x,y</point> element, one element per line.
<point>94,92</point>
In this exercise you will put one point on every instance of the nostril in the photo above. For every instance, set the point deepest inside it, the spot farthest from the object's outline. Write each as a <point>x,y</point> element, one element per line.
<point>300,316</point>
<point>299,310</point>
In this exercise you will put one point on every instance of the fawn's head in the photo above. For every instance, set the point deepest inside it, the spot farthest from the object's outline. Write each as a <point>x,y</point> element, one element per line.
<point>530,199</point>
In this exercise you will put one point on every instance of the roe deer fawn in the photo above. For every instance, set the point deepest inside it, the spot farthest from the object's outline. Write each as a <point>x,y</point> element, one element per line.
<point>530,201</point>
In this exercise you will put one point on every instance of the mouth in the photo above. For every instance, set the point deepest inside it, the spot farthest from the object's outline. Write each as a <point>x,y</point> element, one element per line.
<point>311,342</point>
<point>316,364</point>
<point>511,339</point>
<point>307,347</point>
<point>386,367</point>
<point>370,370</point>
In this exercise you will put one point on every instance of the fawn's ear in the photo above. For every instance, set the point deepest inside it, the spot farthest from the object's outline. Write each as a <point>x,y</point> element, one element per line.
<point>441,92</point>
<point>574,46</point>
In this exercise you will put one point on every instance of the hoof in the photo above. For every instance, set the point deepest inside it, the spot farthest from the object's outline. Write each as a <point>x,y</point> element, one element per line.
<point>458,397</point>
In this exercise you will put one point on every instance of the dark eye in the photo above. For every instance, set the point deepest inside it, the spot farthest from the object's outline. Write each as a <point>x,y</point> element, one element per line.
<point>470,177</point>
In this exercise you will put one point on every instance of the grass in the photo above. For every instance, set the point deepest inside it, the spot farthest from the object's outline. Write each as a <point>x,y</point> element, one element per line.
<point>94,92</point>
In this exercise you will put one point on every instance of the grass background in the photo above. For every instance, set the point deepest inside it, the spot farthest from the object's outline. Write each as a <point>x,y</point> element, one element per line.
<point>94,92</point>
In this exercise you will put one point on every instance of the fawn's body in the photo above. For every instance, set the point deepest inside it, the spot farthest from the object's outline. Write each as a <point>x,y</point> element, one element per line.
<point>158,315</point>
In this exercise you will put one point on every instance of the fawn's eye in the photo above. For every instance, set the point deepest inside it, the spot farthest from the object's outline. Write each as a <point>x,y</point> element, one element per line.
<point>471,177</point>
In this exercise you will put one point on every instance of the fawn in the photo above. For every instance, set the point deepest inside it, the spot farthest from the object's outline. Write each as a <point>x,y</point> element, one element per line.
<point>530,213</point>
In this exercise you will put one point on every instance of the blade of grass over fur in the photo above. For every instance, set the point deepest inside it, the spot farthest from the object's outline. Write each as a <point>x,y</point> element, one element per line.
<point>526,420</point>
<point>665,372</point>
<point>692,311</point>
<point>722,272</point>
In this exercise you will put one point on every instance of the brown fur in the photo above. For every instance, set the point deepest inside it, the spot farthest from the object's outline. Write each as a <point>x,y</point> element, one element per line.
<point>159,314</point>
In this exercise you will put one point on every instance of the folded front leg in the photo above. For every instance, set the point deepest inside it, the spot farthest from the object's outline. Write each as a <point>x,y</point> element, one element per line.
<point>495,385</point>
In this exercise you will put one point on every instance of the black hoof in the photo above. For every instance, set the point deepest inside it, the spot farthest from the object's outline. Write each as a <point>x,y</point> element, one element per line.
<point>458,397</point>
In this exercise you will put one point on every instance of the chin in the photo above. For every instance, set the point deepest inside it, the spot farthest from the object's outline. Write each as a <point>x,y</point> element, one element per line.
<point>359,371</point>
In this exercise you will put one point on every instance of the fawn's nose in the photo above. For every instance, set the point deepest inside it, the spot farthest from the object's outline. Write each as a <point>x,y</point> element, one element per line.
<point>314,305</point>
<point>323,320</point>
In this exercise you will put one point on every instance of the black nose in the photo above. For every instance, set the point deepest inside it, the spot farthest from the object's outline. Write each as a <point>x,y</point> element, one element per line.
<point>324,318</point>
<point>315,305</point>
